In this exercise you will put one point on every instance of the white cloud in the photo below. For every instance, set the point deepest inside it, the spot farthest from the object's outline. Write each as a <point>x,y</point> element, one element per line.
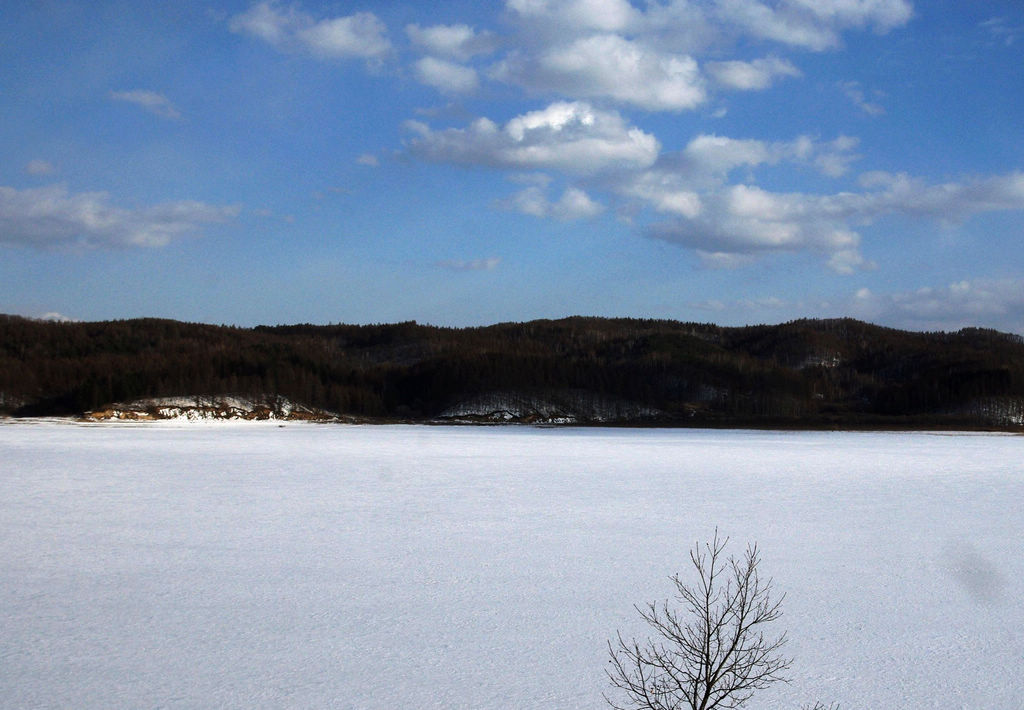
<point>688,25</point>
<point>950,202</point>
<point>532,201</point>
<point>361,35</point>
<point>1002,31</point>
<point>855,94</point>
<point>727,223</point>
<point>708,159</point>
<point>52,217</point>
<point>835,157</point>
<point>748,76</point>
<point>725,261</point>
<point>368,159</point>
<point>574,204</point>
<point>745,219</point>
<point>846,261</point>
<point>705,196</point>
<point>812,24</point>
<point>644,54</point>
<point>458,42</point>
<point>599,15</point>
<point>446,76</point>
<point>881,15</point>
<point>993,303</point>
<point>609,66</point>
<point>40,167</point>
<point>488,264</point>
<point>719,154</point>
<point>571,137</point>
<point>665,191</point>
<point>266,21</point>
<point>151,101</point>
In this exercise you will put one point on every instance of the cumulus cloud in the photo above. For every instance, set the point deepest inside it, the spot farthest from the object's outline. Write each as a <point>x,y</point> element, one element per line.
<point>597,15</point>
<point>719,154</point>
<point>951,202</point>
<point>602,50</point>
<point>488,264</point>
<point>448,49</point>
<point>448,77</point>
<point>574,204</point>
<point>665,192</point>
<point>705,164</point>
<point>458,42</point>
<point>670,187</point>
<point>695,191</point>
<point>361,35</point>
<point>687,26</point>
<point>846,261</point>
<point>704,197</point>
<point>834,158</point>
<point>609,66</point>
<point>40,167</point>
<point>812,24</point>
<point>151,101</point>
<point>572,137</point>
<point>51,217</point>
<point>608,50</point>
<point>726,223</point>
<point>996,303</point>
<point>853,91</point>
<point>645,54</point>
<point>750,76</point>
<point>725,261</point>
<point>746,219</point>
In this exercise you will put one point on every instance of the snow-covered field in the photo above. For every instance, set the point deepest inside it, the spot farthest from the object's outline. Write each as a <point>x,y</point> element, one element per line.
<point>327,566</point>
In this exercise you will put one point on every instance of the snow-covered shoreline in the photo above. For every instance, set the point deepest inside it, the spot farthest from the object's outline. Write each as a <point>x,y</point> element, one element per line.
<point>210,408</point>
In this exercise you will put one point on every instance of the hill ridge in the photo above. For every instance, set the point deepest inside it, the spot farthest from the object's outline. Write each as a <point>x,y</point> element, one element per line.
<point>579,369</point>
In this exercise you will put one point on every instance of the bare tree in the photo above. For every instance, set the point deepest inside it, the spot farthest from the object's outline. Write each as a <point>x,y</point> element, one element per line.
<point>711,650</point>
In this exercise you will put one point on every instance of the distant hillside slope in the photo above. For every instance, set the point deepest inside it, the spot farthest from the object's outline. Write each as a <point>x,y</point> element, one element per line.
<point>804,373</point>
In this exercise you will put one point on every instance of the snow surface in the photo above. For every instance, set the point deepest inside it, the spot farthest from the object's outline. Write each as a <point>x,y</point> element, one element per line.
<point>316,566</point>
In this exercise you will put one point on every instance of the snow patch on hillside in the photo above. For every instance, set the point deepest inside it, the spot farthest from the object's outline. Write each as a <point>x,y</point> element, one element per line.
<point>212,408</point>
<point>570,407</point>
<point>997,410</point>
<point>11,402</point>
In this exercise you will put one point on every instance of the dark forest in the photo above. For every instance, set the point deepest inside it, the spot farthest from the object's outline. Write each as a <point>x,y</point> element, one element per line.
<point>806,373</point>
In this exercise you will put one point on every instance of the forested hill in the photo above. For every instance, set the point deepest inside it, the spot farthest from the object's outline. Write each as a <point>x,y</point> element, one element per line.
<point>803,373</point>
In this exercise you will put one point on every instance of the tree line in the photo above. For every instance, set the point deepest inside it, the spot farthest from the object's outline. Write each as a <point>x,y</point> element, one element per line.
<point>806,372</point>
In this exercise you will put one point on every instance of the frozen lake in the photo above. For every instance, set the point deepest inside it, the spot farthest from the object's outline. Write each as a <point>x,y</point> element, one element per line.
<point>247,565</point>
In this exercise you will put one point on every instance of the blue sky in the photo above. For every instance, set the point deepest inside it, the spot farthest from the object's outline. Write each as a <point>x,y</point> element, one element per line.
<point>465,163</point>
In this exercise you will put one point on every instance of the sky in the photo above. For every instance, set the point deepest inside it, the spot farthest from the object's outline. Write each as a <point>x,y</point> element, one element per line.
<point>466,163</point>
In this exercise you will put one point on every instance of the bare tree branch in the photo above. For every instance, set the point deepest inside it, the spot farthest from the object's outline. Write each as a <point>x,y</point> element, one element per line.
<point>711,648</point>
